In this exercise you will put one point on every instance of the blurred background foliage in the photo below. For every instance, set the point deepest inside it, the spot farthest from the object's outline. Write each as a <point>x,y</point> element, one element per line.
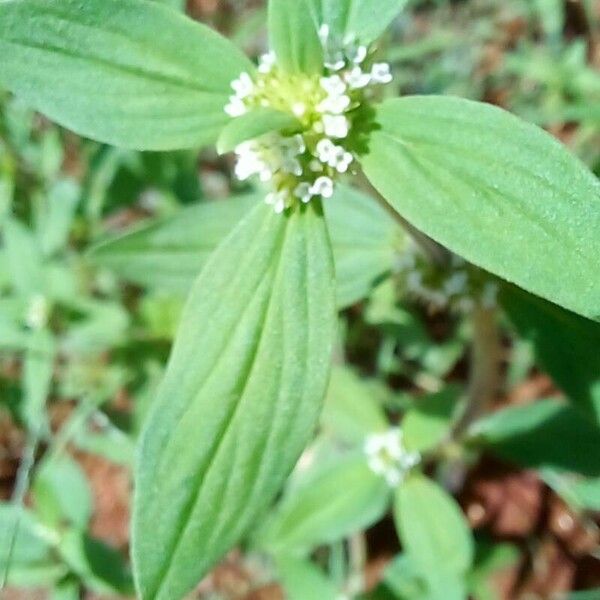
<point>98,247</point>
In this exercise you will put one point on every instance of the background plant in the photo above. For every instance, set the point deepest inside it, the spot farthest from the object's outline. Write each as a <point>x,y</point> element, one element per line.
<point>357,270</point>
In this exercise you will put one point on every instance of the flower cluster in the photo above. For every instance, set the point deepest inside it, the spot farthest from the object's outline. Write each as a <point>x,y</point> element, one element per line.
<point>460,287</point>
<point>388,457</point>
<point>303,163</point>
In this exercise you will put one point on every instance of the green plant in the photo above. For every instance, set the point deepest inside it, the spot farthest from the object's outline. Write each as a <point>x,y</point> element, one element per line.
<point>250,367</point>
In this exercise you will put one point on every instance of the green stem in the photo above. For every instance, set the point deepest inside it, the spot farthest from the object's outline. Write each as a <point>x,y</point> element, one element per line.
<point>484,380</point>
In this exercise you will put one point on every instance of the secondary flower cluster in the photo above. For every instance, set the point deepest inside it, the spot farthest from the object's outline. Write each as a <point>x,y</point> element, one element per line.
<point>304,162</point>
<point>388,457</point>
<point>460,287</point>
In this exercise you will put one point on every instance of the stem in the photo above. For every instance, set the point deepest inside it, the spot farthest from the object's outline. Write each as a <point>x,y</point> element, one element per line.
<point>357,550</point>
<point>18,498</point>
<point>485,369</point>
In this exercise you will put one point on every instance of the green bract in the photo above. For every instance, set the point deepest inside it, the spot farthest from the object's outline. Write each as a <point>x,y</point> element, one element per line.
<point>249,370</point>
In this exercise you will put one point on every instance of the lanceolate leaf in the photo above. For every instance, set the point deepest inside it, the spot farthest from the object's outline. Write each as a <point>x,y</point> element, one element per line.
<point>240,399</point>
<point>294,37</point>
<point>364,20</point>
<point>546,434</point>
<point>566,345</point>
<point>169,254</point>
<point>496,190</point>
<point>132,73</point>
<point>315,512</point>
<point>252,125</point>
<point>433,529</point>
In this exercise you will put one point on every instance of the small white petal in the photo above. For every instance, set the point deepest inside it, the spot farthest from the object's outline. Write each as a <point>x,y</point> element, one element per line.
<point>334,85</point>
<point>381,73</point>
<point>334,104</point>
<point>336,126</point>
<point>303,192</point>
<point>325,148</point>
<point>323,187</point>
<point>236,107</point>
<point>292,166</point>
<point>361,54</point>
<point>267,62</point>
<point>336,64</point>
<point>244,86</point>
<point>324,33</point>
<point>357,78</point>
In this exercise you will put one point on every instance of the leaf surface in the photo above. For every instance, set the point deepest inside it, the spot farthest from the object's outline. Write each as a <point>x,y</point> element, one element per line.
<point>567,346</point>
<point>131,73</point>
<point>496,190</point>
<point>240,399</point>
<point>294,37</point>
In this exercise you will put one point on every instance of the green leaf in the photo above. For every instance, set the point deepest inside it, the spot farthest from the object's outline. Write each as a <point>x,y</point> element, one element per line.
<point>131,73</point>
<point>566,345</point>
<point>302,579</point>
<point>582,493</point>
<point>365,239</point>
<point>29,547</point>
<point>294,37</point>
<point>337,501</point>
<point>56,215</point>
<point>496,190</point>
<point>363,20</point>
<point>528,435</point>
<point>168,254</point>
<point>24,259</point>
<point>250,365</point>
<point>252,125</point>
<point>433,530</point>
<point>352,408</point>
<point>61,493</point>
<point>101,567</point>
<point>429,421</point>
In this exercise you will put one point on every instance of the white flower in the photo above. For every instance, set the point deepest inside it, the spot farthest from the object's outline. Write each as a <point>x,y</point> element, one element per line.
<point>304,192</point>
<point>335,62</point>
<point>340,159</point>
<point>278,200</point>
<point>334,85</point>
<point>386,456</point>
<point>243,86</point>
<point>381,73</point>
<point>292,166</point>
<point>334,104</point>
<point>323,187</point>
<point>236,107</point>
<point>267,62</point>
<point>248,161</point>
<point>357,78</point>
<point>294,145</point>
<point>324,33</point>
<point>325,149</point>
<point>336,126</point>
<point>360,55</point>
